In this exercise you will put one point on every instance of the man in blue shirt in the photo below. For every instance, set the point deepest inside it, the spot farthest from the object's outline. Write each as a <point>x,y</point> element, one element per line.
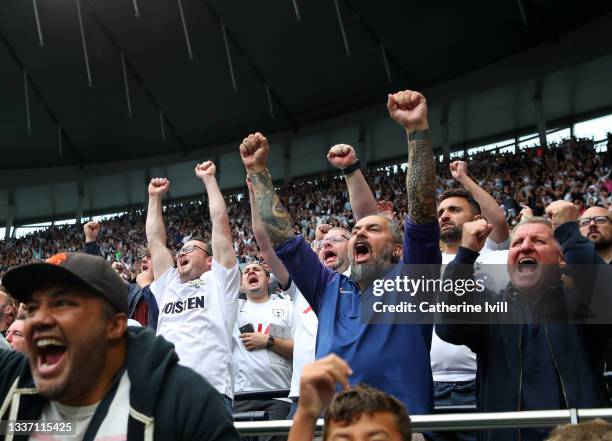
<point>392,357</point>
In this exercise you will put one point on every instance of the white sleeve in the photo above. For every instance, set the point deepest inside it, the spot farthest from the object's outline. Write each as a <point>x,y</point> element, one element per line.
<point>494,246</point>
<point>291,291</point>
<point>229,280</point>
<point>160,284</point>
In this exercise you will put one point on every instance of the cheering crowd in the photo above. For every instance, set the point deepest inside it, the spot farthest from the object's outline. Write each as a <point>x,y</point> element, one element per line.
<point>248,291</point>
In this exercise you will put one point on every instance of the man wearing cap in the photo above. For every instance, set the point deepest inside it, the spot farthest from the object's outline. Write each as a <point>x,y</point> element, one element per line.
<point>85,368</point>
<point>198,299</point>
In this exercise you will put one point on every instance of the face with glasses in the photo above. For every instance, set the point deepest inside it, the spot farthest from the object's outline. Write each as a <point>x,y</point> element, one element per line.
<point>333,249</point>
<point>595,224</point>
<point>15,336</point>
<point>146,264</point>
<point>193,260</point>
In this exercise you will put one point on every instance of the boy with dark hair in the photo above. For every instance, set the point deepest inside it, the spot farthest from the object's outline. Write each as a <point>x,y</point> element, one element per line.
<point>354,413</point>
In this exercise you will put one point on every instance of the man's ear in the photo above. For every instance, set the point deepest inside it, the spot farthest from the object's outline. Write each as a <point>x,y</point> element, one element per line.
<point>117,326</point>
<point>397,252</point>
<point>478,216</point>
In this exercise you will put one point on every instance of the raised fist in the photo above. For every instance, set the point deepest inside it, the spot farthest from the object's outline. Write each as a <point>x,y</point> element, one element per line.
<point>204,169</point>
<point>341,156</point>
<point>91,230</point>
<point>159,187</point>
<point>318,384</point>
<point>321,231</point>
<point>254,152</point>
<point>475,234</point>
<point>560,212</point>
<point>459,170</point>
<point>409,109</point>
<point>526,212</point>
<point>386,208</point>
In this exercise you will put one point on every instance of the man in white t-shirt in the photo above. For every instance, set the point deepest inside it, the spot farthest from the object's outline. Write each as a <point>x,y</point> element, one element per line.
<point>263,344</point>
<point>197,299</point>
<point>454,367</point>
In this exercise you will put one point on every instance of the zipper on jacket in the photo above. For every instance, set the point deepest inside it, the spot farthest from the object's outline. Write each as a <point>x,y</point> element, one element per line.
<point>556,367</point>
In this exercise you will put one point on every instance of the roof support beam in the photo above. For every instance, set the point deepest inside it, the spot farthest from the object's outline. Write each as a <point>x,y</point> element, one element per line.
<point>539,111</point>
<point>10,214</point>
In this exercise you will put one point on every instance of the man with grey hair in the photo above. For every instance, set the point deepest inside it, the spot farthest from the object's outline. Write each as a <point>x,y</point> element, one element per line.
<point>533,363</point>
<point>393,357</point>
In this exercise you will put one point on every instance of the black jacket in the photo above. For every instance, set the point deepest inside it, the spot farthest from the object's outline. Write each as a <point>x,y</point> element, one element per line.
<point>577,350</point>
<point>167,401</point>
<point>135,292</point>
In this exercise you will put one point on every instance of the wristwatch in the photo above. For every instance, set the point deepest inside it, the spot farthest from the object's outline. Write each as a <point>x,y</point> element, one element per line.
<point>270,342</point>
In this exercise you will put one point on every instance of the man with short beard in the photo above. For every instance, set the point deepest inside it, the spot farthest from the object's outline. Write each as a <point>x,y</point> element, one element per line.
<point>392,357</point>
<point>90,376</point>
<point>454,367</point>
<point>596,225</point>
<point>198,299</point>
<point>262,344</point>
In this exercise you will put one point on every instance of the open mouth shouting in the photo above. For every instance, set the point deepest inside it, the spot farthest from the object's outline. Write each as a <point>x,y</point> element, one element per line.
<point>527,265</point>
<point>182,261</point>
<point>50,355</point>
<point>361,252</point>
<point>253,280</point>
<point>329,257</point>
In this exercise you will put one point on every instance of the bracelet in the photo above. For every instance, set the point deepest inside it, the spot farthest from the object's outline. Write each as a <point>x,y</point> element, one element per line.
<point>351,168</point>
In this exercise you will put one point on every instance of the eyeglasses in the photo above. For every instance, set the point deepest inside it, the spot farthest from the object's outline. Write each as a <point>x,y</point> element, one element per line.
<point>145,256</point>
<point>334,240</point>
<point>189,249</point>
<point>599,220</point>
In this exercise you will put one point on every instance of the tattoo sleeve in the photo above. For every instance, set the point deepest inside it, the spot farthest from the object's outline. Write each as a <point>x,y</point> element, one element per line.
<point>421,178</point>
<point>273,213</point>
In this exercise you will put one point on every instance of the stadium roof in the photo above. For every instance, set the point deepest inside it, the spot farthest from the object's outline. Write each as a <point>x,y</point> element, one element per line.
<point>95,87</point>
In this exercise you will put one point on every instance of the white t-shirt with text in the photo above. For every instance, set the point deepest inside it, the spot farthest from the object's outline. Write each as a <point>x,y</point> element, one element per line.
<point>198,317</point>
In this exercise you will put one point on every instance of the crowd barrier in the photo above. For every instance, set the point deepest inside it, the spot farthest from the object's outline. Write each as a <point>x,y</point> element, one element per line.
<point>453,422</point>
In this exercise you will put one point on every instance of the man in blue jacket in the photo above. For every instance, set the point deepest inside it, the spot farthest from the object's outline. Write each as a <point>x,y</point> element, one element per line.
<point>539,356</point>
<point>392,357</point>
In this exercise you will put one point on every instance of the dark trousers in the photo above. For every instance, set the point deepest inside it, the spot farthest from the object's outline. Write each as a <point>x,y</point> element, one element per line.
<point>276,409</point>
<point>454,394</point>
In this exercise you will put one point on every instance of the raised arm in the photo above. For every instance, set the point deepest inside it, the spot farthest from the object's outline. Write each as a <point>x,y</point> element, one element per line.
<point>222,242</point>
<point>488,206</point>
<point>275,217</point>
<point>343,157</point>
<point>91,230</point>
<point>155,229</point>
<point>409,109</point>
<point>263,241</point>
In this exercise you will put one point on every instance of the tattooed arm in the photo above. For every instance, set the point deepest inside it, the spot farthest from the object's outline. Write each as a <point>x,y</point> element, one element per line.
<point>254,153</point>
<point>409,109</point>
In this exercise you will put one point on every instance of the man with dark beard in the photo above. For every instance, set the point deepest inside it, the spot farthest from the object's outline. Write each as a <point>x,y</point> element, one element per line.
<point>454,366</point>
<point>392,357</point>
<point>596,225</point>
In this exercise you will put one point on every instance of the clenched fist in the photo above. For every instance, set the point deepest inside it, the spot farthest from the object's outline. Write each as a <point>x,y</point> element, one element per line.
<point>560,212</point>
<point>91,230</point>
<point>341,156</point>
<point>205,169</point>
<point>409,109</point>
<point>321,231</point>
<point>254,152</point>
<point>159,187</point>
<point>318,384</point>
<point>459,170</point>
<point>474,234</point>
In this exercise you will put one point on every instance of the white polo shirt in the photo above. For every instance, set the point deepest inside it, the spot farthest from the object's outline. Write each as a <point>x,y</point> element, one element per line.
<point>199,318</point>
